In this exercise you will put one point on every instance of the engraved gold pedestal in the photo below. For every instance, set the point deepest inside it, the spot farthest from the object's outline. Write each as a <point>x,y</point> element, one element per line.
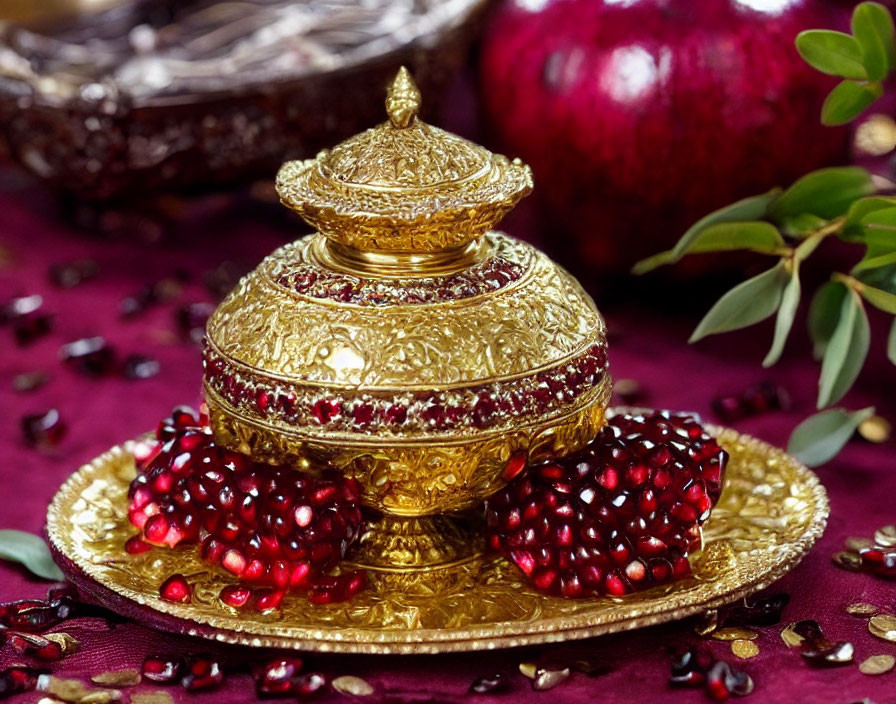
<point>771,511</point>
<point>406,343</point>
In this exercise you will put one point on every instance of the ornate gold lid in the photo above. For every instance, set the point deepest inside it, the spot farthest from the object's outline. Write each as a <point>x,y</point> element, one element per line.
<point>404,186</point>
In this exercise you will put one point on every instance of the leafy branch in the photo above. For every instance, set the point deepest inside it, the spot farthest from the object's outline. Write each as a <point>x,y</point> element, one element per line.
<point>865,59</point>
<point>789,226</point>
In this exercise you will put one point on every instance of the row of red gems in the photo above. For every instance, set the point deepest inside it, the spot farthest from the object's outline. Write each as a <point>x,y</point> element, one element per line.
<point>493,275</point>
<point>549,389</point>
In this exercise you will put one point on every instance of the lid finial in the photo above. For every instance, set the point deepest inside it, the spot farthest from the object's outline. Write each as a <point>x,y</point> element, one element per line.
<point>402,99</point>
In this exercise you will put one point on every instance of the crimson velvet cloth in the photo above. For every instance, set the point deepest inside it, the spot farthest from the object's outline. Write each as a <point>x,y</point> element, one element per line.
<point>646,344</point>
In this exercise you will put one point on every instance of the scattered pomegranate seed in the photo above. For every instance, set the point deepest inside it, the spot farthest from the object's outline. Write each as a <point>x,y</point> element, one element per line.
<point>309,684</point>
<point>176,588</point>
<point>723,681</point>
<point>74,273</point>
<point>764,611</point>
<point>44,430</point>
<point>191,320</point>
<point>90,356</point>
<point>28,320</point>
<point>754,400</point>
<point>162,669</point>
<point>490,684</point>
<point>35,646</point>
<point>18,679</point>
<point>278,676</point>
<point>35,615</point>
<point>622,514</point>
<point>137,366</point>
<point>329,589</point>
<point>202,672</point>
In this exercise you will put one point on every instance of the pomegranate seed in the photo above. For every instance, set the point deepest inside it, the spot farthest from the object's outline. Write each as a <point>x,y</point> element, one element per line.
<point>278,676</point>
<point>490,684</point>
<point>268,599</point>
<point>18,679</point>
<point>43,430</point>
<point>137,366</point>
<point>309,684</point>
<point>176,588</point>
<point>614,500</point>
<point>32,615</point>
<point>28,321</point>
<point>89,355</point>
<point>162,669</point>
<point>515,465</point>
<point>71,274</point>
<point>135,545</point>
<point>35,646</point>
<point>191,320</point>
<point>235,595</point>
<point>201,672</point>
<point>29,381</point>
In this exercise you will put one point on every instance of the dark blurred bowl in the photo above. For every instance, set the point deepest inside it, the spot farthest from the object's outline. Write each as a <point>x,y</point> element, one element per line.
<point>163,95</point>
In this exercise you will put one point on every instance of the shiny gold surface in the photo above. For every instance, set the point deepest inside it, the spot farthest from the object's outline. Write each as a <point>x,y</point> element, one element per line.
<point>771,512</point>
<point>481,339</point>
<point>404,186</point>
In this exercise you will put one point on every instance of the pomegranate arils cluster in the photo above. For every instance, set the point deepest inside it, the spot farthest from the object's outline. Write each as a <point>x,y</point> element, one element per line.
<point>270,526</point>
<point>622,514</point>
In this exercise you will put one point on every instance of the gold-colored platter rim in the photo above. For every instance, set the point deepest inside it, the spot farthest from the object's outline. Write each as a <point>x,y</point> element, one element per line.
<point>609,615</point>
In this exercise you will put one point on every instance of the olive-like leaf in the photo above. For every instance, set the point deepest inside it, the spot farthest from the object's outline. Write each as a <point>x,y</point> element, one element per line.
<point>827,193</point>
<point>847,101</point>
<point>820,437</point>
<point>891,343</point>
<point>875,262</point>
<point>30,551</point>
<point>752,208</point>
<point>884,300</point>
<point>802,224</point>
<point>824,313</point>
<point>746,304</point>
<point>846,352</point>
<point>756,236</point>
<point>872,28</point>
<point>852,226</point>
<point>790,300</point>
<point>878,232</point>
<point>830,52</point>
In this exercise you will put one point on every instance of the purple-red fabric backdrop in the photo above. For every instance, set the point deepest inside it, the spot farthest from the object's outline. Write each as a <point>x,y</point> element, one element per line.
<point>648,344</point>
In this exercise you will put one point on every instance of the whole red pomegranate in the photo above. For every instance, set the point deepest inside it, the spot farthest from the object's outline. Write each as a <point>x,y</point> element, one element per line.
<point>640,116</point>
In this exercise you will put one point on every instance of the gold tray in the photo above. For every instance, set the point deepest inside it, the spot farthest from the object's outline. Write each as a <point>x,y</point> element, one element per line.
<point>771,512</point>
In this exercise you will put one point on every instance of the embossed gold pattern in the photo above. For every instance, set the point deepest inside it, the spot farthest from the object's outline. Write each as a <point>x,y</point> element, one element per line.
<point>771,511</point>
<point>435,349</point>
<point>404,186</point>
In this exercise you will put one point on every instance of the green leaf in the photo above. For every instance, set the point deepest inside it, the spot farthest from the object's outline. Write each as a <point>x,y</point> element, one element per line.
<point>845,353</point>
<point>878,232</point>
<point>827,193</point>
<point>834,53</point>
<point>891,343</point>
<point>872,27</point>
<point>802,224</point>
<point>824,312</point>
<point>752,208</point>
<point>852,227</point>
<point>879,299</point>
<point>882,277</point>
<point>31,551</point>
<point>820,437</point>
<point>654,262</point>
<point>875,262</point>
<point>746,304</point>
<point>847,101</point>
<point>784,322</point>
<point>756,236</point>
